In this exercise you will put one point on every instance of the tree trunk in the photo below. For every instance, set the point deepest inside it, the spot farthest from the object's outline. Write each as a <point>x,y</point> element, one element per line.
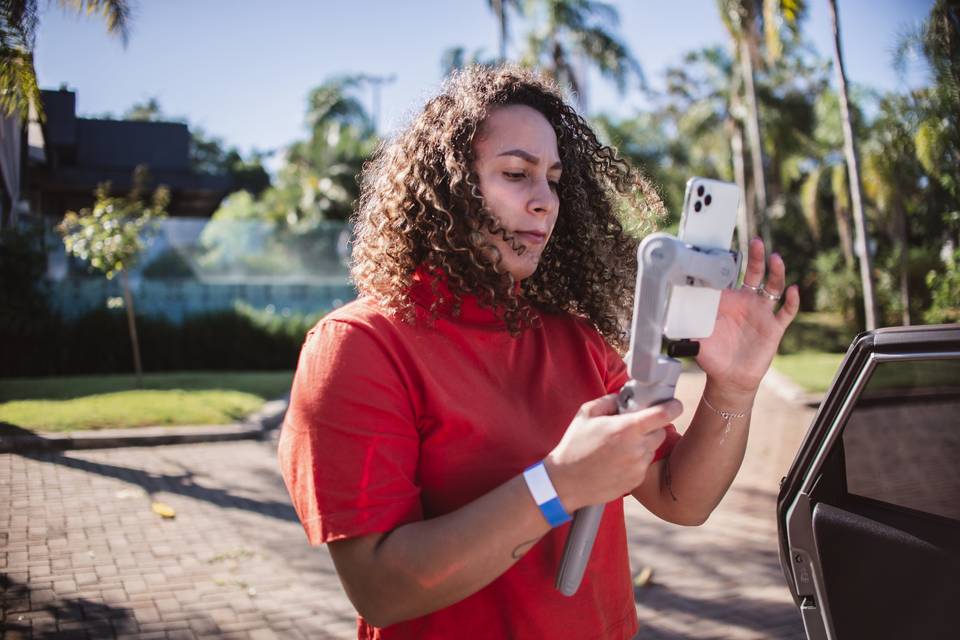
<point>746,229</point>
<point>900,219</point>
<point>843,230</point>
<point>753,137</point>
<point>746,226</point>
<point>500,12</point>
<point>850,150</point>
<point>132,327</point>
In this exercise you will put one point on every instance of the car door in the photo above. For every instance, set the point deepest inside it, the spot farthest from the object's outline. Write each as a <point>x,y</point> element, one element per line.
<point>869,513</point>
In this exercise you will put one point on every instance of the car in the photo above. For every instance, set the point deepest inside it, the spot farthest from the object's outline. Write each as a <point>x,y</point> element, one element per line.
<point>868,516</point>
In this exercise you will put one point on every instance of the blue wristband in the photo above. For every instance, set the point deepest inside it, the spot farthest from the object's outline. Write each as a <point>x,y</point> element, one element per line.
<point>545,495</point>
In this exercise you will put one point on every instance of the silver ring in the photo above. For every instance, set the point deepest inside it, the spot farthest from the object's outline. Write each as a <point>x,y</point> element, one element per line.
<point>756,290</point>
<point>769,296</point>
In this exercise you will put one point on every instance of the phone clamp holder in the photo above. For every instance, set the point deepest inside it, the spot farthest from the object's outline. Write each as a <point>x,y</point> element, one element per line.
<point>683,348</point>
<point>663,262</point>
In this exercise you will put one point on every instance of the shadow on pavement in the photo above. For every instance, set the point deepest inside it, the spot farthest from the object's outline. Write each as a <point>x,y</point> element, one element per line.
<point>60,617</point>
<point>761,613</point>
<point>182,484</point>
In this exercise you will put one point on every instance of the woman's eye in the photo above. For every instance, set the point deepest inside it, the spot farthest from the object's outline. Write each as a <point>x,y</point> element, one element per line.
<point>514,176</point>
<point>554,185</point>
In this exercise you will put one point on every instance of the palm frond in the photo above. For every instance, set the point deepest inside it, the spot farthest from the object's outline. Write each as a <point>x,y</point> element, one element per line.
<point>116,13</point>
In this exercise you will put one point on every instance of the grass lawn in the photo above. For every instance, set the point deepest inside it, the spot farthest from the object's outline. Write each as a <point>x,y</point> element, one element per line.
<point>812,370</point>
<point>111,401</point>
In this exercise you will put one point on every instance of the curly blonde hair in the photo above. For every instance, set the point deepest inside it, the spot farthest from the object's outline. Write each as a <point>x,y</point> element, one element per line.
<point>420,205</point>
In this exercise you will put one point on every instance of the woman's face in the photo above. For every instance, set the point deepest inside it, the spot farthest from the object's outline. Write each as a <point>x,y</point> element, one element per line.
<point>518,164</point>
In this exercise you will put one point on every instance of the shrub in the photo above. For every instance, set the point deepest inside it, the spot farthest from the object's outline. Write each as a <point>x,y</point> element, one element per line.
<point>817,332</point>
<point>838,288</point>
<point>239,339</point>
<point>945,289</point>
<point>169,264</point>
<point>26,320</point>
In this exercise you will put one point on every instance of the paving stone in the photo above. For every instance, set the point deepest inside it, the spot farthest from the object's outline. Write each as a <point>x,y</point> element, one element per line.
<point>133,574</point>
<point>204,626</point>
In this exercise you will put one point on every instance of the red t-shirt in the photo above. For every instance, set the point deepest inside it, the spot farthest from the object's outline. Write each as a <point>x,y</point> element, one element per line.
<point>391,423</point>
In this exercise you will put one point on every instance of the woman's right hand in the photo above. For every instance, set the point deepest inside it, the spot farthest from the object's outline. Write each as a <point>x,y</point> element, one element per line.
<point>605,455</point>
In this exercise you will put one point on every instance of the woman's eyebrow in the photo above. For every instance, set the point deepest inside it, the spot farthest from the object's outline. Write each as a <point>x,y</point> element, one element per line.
<point>529,157</point>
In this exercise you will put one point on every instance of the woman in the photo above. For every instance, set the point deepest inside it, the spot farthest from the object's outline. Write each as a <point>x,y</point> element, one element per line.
<point>494,276</point>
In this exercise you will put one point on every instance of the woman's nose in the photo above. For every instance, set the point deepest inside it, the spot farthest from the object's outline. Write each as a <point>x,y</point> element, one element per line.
<point>543,199</point>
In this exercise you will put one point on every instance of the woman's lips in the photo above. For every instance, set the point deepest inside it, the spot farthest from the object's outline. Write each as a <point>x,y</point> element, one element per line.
<point>533,237</point>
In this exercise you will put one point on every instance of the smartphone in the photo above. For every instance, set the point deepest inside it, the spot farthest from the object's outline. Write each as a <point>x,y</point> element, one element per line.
<point>708,220</point>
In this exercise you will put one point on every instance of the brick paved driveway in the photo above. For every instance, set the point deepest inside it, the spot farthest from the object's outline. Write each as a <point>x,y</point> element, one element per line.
<point>83,555</point>
<point>723,579</point>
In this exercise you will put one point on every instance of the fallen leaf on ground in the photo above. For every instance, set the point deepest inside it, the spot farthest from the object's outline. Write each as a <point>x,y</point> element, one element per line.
<point>163,510</point>
<point>644,577</point>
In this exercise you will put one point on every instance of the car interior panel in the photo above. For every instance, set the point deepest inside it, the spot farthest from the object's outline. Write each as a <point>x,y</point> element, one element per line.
<point>869,513</point>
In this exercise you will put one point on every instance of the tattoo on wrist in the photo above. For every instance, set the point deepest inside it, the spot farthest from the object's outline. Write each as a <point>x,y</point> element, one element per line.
<point>667,478</point>
<point>522,548</point>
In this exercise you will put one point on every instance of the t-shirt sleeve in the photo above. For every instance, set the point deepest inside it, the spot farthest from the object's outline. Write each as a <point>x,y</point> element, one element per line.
<point>349,446</point>
<point>616,377</point>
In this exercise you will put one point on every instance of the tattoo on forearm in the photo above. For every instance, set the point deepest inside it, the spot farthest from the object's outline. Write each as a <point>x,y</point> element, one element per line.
<point>667,478</point>
<point>522,548</point>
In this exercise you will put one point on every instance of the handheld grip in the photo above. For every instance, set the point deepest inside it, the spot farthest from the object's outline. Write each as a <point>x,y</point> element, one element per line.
<point>586,521</point>
<point>576,553</point>
<point>663,261</point>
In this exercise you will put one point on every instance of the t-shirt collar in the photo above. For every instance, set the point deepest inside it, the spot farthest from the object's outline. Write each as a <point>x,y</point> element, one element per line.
<point>471,311</point>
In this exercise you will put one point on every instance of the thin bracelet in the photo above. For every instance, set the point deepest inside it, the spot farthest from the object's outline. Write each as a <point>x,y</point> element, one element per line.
<point>727,416</point>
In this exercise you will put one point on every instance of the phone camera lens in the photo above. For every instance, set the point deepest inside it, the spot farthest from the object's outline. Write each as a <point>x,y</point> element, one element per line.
<point>696,206</point>
<point>700,191</point>
<point>707,200</point>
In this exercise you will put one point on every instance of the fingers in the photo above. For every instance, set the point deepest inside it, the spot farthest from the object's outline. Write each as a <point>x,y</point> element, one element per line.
<point>754,273</point>
<point>602,406</point>
<point>791,305</point>
<point>775,271</point>
<point>776,276</point>
<point>654,439</point>
<point>650,419</point>
<point>657,414</point>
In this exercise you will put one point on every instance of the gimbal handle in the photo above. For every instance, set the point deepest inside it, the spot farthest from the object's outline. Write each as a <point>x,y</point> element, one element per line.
<point>662,262</point>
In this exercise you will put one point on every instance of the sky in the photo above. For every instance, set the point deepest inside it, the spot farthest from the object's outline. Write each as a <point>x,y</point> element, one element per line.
<point>242,69</point>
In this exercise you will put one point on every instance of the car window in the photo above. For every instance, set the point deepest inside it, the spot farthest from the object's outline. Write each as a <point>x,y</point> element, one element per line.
<point>902,440</point>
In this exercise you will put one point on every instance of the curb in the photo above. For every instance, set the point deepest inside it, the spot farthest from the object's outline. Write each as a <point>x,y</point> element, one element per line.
<point>790,390</point>
<point>255,426</point>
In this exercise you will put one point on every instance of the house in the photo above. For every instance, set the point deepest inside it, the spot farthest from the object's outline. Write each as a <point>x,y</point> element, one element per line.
<point>59,163</point>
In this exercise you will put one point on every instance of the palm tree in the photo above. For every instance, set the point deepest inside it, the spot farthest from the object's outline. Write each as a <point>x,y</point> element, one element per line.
<point>853,168</point>
<point>937,139</point>
<point>579,30</point>
<point>704,103</point>
<point>499,9</point>
<point>324,168</point>
<point>18,27</point>
<point>742,19</point>
<point>458,57</point>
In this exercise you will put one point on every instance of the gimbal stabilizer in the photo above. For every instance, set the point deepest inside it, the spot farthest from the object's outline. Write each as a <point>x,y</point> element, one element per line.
<point>663,262</point>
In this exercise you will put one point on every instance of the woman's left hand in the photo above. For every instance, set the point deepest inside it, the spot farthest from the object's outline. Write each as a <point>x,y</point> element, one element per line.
<point>749,327</point>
